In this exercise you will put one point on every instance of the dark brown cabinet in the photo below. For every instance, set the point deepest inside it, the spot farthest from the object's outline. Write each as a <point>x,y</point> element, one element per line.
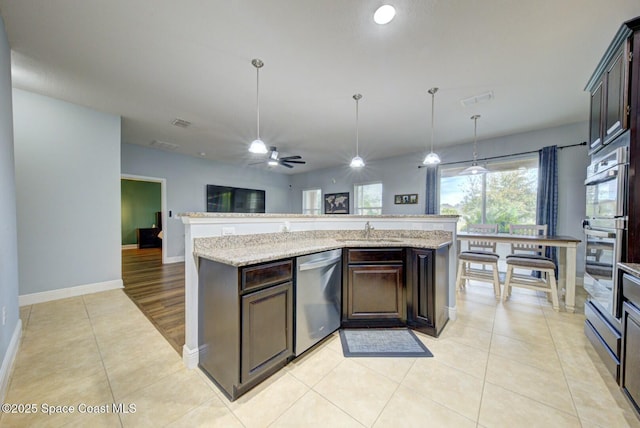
<point>630,380</point>
<point>595,121</point>
<point>609,90</point>
<point>616,113</point>
<point>267,326</point>
<point>427,289</point>
<point>630,371</point>
<point>373,288</point>
<point>245,325</point>
<point>375,292</point>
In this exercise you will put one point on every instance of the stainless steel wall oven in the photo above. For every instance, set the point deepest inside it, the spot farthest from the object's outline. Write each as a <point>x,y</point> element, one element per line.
<point>605,229</point>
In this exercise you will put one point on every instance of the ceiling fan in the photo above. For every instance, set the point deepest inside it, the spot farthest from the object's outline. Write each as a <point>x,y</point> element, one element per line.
<point>273,159</point>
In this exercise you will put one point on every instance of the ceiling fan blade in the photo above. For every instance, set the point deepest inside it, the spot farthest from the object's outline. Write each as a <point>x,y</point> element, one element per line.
<point>292,161</point>
<point>285,164</point>
<point>291,157</point>
<point>256,163</point>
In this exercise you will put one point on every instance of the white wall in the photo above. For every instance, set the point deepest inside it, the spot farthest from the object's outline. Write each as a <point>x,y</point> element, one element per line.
<point>401,174</point>
<point>10,331</point>
<point>67,161</point>
<point>186,179</point>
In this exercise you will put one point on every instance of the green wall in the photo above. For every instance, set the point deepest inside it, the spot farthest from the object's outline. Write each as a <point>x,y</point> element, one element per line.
<point>140,202</point>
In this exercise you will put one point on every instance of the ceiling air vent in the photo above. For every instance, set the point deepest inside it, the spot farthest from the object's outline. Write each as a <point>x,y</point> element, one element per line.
<point>181,123</point>
<point>163,145</point>
<point>476,99</point>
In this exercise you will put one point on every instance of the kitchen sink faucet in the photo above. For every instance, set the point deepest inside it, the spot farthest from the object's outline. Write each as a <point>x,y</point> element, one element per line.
<point>367,230</point>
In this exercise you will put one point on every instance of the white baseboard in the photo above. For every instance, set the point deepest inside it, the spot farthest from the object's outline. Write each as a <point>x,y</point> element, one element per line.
<point>130,247</point>
<point>63,293</point>
<point>177,259</point>
<point>9,359</point>
<point>190,357</point>
<point>453,313</point>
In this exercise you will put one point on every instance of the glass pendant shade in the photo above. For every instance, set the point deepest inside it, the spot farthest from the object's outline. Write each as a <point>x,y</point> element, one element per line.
<point>357,161</point>
<point>432,158</point>
<point>258,146</point>
<point>475,169</point>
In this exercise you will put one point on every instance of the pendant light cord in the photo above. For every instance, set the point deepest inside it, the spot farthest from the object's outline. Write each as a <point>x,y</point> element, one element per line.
<point>357,128</point>
<point>258,102</point>
<point>475,138</point>
<point>433,97</point>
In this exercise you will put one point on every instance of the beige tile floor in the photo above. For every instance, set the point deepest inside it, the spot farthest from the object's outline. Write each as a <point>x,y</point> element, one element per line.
<point>499,364</point>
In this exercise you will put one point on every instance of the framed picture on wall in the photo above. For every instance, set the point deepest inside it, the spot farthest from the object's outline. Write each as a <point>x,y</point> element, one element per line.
<point>411,198</point>
<point>336,203</point>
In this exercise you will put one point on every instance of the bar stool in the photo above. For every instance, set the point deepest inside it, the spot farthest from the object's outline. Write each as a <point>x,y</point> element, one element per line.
<point>546,283</point>
<point>531,257</point>
<point>480,253</point>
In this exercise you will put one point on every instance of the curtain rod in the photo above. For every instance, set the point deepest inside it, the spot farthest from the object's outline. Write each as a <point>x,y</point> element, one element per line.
<point>584,143</point>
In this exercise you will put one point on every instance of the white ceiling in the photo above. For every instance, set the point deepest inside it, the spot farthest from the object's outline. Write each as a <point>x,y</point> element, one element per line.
<point>151,61</point>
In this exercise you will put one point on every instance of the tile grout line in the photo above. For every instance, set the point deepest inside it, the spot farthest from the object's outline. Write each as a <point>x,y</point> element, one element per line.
<point>106,374</point>
<point>394,391</point>
<point>486,366</point>
<point>564,375</point>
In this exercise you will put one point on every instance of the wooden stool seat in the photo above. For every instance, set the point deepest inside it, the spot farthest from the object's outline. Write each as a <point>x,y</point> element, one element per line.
<point>484,258</point>
<point>546,283</point>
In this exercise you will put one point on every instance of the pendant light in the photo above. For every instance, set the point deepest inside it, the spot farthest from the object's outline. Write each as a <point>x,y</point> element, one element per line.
<point>432,159</point>
<point>475,169</point>
<point>257,145</point>
<point>357,161</point>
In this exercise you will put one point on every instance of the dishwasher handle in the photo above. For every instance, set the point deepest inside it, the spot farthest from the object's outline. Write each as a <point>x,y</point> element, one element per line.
<point>316,264</point>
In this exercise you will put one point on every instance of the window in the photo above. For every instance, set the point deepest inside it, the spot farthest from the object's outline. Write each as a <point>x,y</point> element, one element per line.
<point>506,195</point>
<point>311,201</point>
<point>368,199</point>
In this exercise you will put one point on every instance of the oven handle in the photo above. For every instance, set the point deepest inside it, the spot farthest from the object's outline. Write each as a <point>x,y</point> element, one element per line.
<point>599,233</point>
<point>609,174</point>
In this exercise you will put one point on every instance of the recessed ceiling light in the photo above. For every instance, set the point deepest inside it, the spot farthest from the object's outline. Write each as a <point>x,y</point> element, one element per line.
<point>203,154</point>
<point>384,14</point>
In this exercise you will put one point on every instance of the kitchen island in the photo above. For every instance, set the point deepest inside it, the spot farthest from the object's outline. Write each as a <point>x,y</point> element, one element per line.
<point>234,226</point>
<point>247,284</point>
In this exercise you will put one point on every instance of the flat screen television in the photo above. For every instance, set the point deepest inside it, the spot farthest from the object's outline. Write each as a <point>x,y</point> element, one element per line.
<point>225,199</point>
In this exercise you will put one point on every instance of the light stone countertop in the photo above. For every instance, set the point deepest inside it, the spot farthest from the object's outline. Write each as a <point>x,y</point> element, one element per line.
<point>242,250</point>
<point>270,215</point>
<point>632,268</point>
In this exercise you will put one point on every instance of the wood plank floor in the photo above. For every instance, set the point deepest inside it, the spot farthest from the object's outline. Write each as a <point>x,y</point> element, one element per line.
<point>158,290</point>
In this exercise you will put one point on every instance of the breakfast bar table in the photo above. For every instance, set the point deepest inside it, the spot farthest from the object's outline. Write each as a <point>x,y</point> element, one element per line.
<point>566,258</point>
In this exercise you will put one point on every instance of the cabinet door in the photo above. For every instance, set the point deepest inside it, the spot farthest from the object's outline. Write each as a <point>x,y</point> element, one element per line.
<point>595,121</point>
<point>267,329</point>
<point>375,292</point>
<point>615,118</point>
<point>631,353</point>
<point>422,293</point>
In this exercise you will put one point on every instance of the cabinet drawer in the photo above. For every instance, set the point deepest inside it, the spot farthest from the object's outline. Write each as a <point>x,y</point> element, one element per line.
<point>607,333</point>
<point>375,255</point>
<point>610,361</point>
<point>266,274</point>
<point>630,377</point>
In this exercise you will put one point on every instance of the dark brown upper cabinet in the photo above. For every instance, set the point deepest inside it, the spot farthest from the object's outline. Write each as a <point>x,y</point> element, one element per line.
<point>609,89</point>
<point>617,95</point>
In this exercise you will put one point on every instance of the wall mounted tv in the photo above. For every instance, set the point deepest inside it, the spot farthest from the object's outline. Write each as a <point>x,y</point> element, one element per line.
<point>224,199</point>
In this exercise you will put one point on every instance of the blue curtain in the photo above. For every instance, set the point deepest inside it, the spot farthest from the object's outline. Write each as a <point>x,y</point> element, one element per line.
<point>431,198</point>
<point>547,211</point>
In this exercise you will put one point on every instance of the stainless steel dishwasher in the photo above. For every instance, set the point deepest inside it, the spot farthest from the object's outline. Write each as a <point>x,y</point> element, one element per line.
<point>318,297</point>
